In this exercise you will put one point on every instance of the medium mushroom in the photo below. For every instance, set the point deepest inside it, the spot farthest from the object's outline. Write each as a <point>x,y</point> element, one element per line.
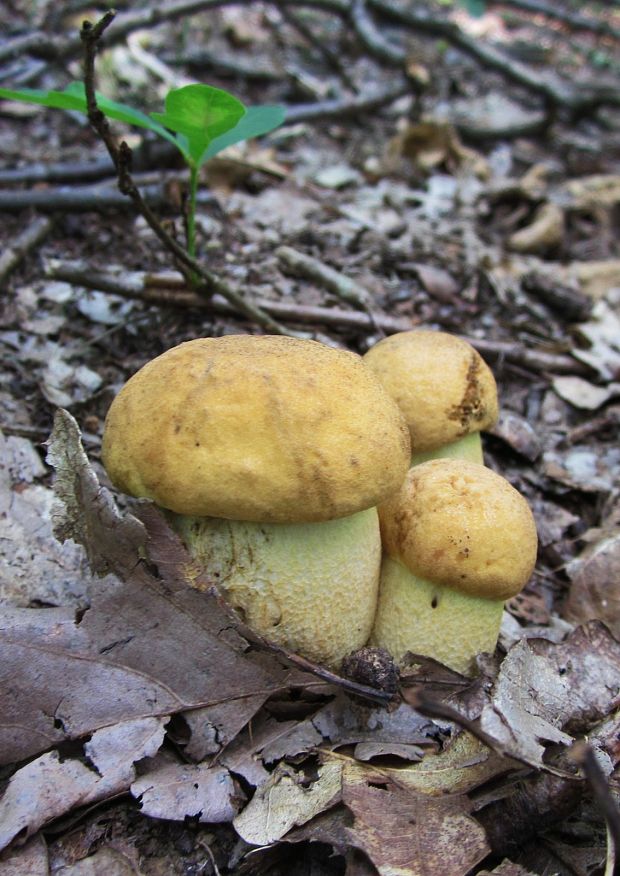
<point>458,540</point>
<point>270,455</point>
<point>444,388</point>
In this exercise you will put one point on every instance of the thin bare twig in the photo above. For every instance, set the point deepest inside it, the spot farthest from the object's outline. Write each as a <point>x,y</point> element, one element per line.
<point>30,237</point>
<point>169,290</point>
<point>79,199</point>
<point>312,39</point>
<point>121,156</point>
<point>372,38</point>
<point>584,755</point>
<point>574,20</point>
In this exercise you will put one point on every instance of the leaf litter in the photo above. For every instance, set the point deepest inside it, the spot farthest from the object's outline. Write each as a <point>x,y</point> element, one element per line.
<point>397,786</point>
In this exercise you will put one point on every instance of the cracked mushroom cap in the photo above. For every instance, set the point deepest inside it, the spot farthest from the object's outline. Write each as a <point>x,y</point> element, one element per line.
<point>460,525</point>
<point>442,385</point>
<point>269,429</point>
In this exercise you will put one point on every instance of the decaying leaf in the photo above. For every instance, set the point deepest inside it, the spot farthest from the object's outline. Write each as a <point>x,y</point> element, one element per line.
<point>33,565</point>
<point>594,592</point>
<point>179,791</point>
<point>48,787</point>
<point>147,646</point>
<point>405,833</point>
<point>86,512</point>
<point>288,799</point>
<point>544,691</point>
<point>30,859</point>
<point>582,394</point>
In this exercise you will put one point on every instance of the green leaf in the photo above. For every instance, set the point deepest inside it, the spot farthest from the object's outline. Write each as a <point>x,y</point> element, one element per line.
<point>201,113</point>
<point>256,121</point>
<point>74,98</point>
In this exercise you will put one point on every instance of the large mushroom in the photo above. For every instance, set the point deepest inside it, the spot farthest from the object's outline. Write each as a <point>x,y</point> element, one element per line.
<point>458,541</point>
<point>444,388</point>
<point>270,455</point>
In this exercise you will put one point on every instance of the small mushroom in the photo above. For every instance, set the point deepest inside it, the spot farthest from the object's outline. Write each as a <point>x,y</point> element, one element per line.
<point>458,540</point>
<point>444,388</point>
<point>270,455</point>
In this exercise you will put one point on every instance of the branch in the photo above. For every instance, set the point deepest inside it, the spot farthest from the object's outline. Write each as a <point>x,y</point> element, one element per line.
<point>25,242</point>
<point>573,19</point>
<point>372,38</point>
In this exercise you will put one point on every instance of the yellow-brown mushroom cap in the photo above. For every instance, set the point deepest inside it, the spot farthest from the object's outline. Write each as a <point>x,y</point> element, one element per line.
<point>440,382</point>
<point>265,428</point>
<point>460,525</point>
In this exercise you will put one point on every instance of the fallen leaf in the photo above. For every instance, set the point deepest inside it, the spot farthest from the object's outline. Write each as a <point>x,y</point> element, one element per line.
<point>180,791</point>
<point>582,394</point>
<point>288,799</point>
<point>48,787</point>
<point>595,590</point>
<point>33,565</point>
<point>518,434</point>
<point>405,833</point>
<point>147,646</point>
<point>602,334</point>
<point>545,691</point>
<point>30,859</point>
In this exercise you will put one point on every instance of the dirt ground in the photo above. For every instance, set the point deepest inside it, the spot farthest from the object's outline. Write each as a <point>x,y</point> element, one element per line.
<point>477,200</point>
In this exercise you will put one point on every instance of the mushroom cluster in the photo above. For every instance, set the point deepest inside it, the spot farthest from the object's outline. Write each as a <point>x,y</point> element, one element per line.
<point>286,468</point>
<point>270,455</point>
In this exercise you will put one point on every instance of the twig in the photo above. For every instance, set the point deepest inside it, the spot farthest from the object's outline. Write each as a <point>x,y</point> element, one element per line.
<point>573,19</point>
<point>78,199</point>
<point>170,290</point>
<point>223,66</point>
<point>372,38</point>
<point>328,54</point>
<point>301,265</point>
<point>346,107</point>
<point>121,156</point>
<point>536,360</point>
<point>556,94</point>
<point>584,755</point>
<point>23,244</point>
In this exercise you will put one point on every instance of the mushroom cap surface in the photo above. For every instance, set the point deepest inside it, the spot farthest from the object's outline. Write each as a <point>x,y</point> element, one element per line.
<point>265,428</point>
<point>440,382</point>
<point>460,525</point>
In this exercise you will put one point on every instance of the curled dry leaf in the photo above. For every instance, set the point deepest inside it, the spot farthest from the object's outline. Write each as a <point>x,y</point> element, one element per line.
<point>544,691</point>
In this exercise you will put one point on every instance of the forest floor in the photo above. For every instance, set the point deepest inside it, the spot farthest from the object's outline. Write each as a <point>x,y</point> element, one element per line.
<point>445,171</point>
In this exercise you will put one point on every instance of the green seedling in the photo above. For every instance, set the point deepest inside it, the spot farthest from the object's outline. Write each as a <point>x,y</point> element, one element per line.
<point>199,120</point>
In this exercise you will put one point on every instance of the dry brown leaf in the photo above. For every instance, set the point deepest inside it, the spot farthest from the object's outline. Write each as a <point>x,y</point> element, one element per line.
<point>30,859</point>
<point>149,645</point>
<point>595,590</point>
<point>405,833</point>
